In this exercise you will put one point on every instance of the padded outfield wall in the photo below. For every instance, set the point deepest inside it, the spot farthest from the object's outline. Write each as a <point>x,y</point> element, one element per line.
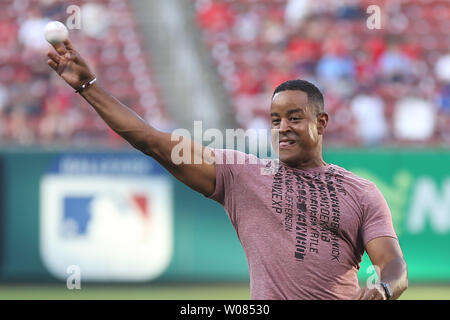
<point>119,217</point>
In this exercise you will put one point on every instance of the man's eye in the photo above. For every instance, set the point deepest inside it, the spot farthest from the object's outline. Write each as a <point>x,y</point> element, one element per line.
<point>275,121</point>
<point>295,118</point>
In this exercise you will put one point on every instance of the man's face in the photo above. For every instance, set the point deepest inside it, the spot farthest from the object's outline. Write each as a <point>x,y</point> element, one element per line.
<point>300,129</point>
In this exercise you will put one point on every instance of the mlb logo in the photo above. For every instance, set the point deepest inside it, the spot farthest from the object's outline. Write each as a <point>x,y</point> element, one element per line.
<point>115,228</point>
<point>78,211</point>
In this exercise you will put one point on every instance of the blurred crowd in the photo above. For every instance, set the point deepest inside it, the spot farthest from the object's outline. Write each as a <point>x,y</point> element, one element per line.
<point>386,86</point>
<point>36,106</point>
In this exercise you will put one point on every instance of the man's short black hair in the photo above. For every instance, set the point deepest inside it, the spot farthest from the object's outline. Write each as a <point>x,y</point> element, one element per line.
<point>315,97</point>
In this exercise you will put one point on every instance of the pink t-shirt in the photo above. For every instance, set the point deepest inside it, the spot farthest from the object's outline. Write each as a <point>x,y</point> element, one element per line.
<point>303,230</point>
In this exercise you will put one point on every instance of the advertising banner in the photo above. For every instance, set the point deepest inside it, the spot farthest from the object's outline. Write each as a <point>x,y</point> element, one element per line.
<point>416,185</point>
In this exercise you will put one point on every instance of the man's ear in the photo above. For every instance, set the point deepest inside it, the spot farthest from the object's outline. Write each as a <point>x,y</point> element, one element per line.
<point>322,121</point>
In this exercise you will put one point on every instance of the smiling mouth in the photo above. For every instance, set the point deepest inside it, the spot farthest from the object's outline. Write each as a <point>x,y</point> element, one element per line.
<point>286,144</point>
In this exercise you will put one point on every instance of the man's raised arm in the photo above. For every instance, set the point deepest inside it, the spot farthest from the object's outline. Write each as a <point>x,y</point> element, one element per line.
<point>67,62</point>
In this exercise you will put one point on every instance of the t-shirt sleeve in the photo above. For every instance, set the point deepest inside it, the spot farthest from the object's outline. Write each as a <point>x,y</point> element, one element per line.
<point>224,176</point>
<point>377,218</point>
<point>229,165</point>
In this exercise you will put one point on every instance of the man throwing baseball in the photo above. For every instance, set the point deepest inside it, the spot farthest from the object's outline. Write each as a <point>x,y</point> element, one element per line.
<point>305,228</point>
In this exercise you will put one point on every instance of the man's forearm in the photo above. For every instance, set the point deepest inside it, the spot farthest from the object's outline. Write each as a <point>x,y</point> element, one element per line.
<point>157,144</point>
<point>119,117</point>
<point>396,275</point>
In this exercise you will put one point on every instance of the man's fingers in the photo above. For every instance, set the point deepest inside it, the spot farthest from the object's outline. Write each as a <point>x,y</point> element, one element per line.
<point>53,56</point>
<point>368,295</point>
<point>68,45</point>
<point>52,64</point>
<point>60,48</point>
<point>373,294</point>
<point>358,295</point>
<point>379,294</point>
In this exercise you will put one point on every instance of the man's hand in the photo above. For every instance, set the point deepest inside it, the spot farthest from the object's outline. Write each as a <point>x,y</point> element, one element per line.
<point>69,65</point>
<point>124,121</point>
<point>374,293</point>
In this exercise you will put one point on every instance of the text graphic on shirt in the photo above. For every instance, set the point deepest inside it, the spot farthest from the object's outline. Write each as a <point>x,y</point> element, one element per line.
<point>314,219</point>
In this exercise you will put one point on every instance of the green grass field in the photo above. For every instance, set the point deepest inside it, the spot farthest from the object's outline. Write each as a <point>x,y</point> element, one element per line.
<point>172,292</point>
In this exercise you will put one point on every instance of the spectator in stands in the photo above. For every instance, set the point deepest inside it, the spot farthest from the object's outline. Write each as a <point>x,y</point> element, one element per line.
<point>375,47</point>
<point>296,11</point>
<point>443,98</point>
<point>368,111</point>
<point>96,20</point>
<point>414,119</point>
<point>4,101</point>
<point>20,130</point>
<point>215,16</point>
<point>4,97</point>
<point>349,10</point>
<point>55,126</point>
<point>282,72</point>
<point>273,31</point>
<point>8,36</point>
<point>300,49</point>
<point>247,26</point>
<point>54,8</point>
<point>394,65</point>
<point>336,63</point>
<point>442,68</point>
<point>3,126</point>
<point>336,69</point>
<point>249,80</point>
<point>31,32</point>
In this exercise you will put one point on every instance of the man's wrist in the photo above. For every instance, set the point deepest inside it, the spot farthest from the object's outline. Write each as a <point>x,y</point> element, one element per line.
<point>86,85</point>
<point>387,289</point>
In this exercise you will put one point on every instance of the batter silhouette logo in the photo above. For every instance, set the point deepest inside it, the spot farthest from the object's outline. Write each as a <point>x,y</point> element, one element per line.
<point>111,216</point>
<point>80,211</point>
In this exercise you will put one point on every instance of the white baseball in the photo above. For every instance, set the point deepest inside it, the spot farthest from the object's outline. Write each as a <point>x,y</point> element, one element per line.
<point>55,32</point>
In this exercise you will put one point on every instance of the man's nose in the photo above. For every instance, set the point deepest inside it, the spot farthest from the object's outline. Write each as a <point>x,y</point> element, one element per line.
<point>284,125</point>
